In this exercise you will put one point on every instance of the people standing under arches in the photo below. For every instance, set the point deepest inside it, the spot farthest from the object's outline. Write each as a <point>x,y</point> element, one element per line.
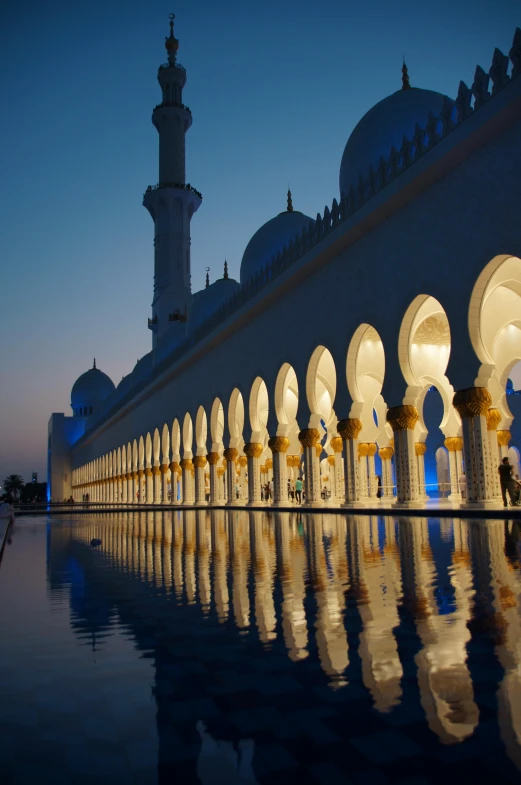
<point>506,478</point>
<point>298,490</point>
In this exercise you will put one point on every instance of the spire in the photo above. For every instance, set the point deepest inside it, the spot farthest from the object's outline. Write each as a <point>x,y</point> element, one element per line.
<point>290,202</point>
<point>171,43</point>
<point>94,365</point>
<point>207,277</point>
<point>225,276</point>
<point>405,77</point>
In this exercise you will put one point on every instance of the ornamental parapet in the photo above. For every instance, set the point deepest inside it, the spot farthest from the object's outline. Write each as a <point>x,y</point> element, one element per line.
<point>178,186</point>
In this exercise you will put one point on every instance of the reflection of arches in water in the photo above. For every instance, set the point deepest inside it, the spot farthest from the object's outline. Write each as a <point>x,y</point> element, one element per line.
<point>444,680</point>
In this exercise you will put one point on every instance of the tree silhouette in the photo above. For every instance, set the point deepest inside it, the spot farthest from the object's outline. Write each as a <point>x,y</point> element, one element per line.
<point>13,485</point>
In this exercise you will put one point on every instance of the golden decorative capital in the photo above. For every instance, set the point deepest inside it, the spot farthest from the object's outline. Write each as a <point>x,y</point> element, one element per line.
<point>253,450</point>
<point>186,463</point>
<point>174,466</point>
<point>148,472</point>
<point>243,460</point>
<point>349,429</point>
<point>156,470</point>
<point>263,469</point>
<point>135,475</point>
<point>213,458</point>
<point>278,443</point>
<point>363,449</point>
<point>309,437</point>
<point>493,419</point>
<point>141,473</point>
<point>420,448</point>
<point>386,453</point>
<point>199,461</point>
<point>503,438</point>
<point>318,448</point>
<point>164,468</point>
<point>220,471</point>
<point>371,449</point>
<point>269,463</point>
<point>231,453</point>
<point>336,444</point>
<point>331,460</point>
<point>453,443</point>
<point>473,402</point>
<point>402,418</point>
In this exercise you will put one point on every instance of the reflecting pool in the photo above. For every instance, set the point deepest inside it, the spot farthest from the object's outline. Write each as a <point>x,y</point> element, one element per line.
<point>260,647</point>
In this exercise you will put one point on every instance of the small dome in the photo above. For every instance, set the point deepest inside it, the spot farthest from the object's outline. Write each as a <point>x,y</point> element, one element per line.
<point>384,127</point>
<point>90,390</point>
<point>270,239</point>
<point>209,300</point>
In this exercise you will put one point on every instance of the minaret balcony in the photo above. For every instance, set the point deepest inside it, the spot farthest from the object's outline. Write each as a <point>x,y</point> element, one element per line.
<point>173,104</point>
<point>181,186</point>
<point>152,323</point>
<point>177,66</point>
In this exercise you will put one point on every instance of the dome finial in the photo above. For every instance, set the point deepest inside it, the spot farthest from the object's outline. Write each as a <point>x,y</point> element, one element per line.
<point>405,77</point>
<point>171,43</point>
<point>289,208</point>
<point>207,277</point>
<point>225,276</point>
<point>94,365</point>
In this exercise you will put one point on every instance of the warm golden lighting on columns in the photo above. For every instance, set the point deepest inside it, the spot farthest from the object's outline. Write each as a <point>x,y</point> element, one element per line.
<point>472,406</point>
<point>349,431</point>
<point>309,439</point>
<point>402,420</point>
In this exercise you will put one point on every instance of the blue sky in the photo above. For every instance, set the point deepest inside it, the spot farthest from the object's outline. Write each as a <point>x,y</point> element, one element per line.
<point>275,90</point>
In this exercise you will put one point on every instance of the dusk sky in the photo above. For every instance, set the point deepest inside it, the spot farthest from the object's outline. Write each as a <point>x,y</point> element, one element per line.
<point>275,89</point>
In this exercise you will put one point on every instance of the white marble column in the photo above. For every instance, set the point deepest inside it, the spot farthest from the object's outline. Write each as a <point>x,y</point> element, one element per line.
<point>493,420</point>
<point>278,446</point>
<point>349,430</point>
<point>188,484</point>
<point>231,454</point>
<point>337,445</point>
<point>165,477</point>
<point>310,440</point>
<point>200,484</point>
<point>141,474</point>
<point>403,420</point>
<point>503,440</point>
<point>372,484</point>
<point>149,482</point>
<point>253,452</point>
<point>213,460</point>
<point>363,452</point>
<point>386,455</point>
<point>454,445</point>
<point>174,468</point>
<point>472,405</point>
<point>156,477</point>
<point>420,449</point>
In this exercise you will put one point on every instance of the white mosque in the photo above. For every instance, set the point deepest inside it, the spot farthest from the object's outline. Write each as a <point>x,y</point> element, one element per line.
<point>393,321</point>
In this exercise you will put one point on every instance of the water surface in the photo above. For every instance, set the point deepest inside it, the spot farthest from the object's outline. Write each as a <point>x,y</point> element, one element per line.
<point>243,647</point>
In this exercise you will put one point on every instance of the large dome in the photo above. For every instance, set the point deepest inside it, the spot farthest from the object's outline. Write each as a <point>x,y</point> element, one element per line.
<point>270,239</point>
<point>209,300</point>
<point>90,390</point>
<point>384,127</point>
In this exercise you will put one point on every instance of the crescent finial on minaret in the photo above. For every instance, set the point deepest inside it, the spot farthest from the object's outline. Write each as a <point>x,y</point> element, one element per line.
<point>171,43</point>
<point>406,85</point>
<point>94,364</point>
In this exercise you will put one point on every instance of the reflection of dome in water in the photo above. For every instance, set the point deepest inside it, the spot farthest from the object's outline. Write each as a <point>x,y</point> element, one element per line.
<point>270,239</point>
<point>384,127</point>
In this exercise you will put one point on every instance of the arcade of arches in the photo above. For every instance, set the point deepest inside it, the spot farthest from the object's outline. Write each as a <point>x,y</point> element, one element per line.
<point>375,455</point>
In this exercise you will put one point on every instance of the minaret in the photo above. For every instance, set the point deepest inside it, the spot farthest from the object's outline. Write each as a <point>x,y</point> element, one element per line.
<point>171,203</point>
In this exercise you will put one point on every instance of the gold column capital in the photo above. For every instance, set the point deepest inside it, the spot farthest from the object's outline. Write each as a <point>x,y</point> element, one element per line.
<point>156,470</point>
<point>363,449</point>
<point>336,444</point>
<point>331,460</point>
<point>420,448</point>
<point>350,428</point>
<point>140,473</point>
<point>231,453</point>
<point>174,466</point>
<point>253,450</point>
<point>402,418</point>
<point>164,468</point>
<point>493,419</point>
<point>186,463</point>
<point>453,443</point>
<point>278,443</point>
<point>269,463</point>
<point>213,458</point>
<point>503,438</point>
<point>148,472</point>
<point>472,402</point>
<point>386,453</point>
<point>243,460</point>
<point>371,449</point>
<point>309,437</point>
<point>199,461</point>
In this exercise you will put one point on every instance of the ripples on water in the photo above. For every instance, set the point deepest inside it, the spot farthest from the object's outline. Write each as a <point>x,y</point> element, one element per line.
<point>364,624</point>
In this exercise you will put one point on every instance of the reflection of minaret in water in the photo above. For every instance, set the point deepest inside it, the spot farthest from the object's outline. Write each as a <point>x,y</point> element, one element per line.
<point>263,576</point>
<point>291,555</point>
<point>239,529</point>
<point>495,574</point>
<point>331,635</point>
<point>380,573</point>
<point>220,564</point>
<point>444,679</point>
<point>203,560</point>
